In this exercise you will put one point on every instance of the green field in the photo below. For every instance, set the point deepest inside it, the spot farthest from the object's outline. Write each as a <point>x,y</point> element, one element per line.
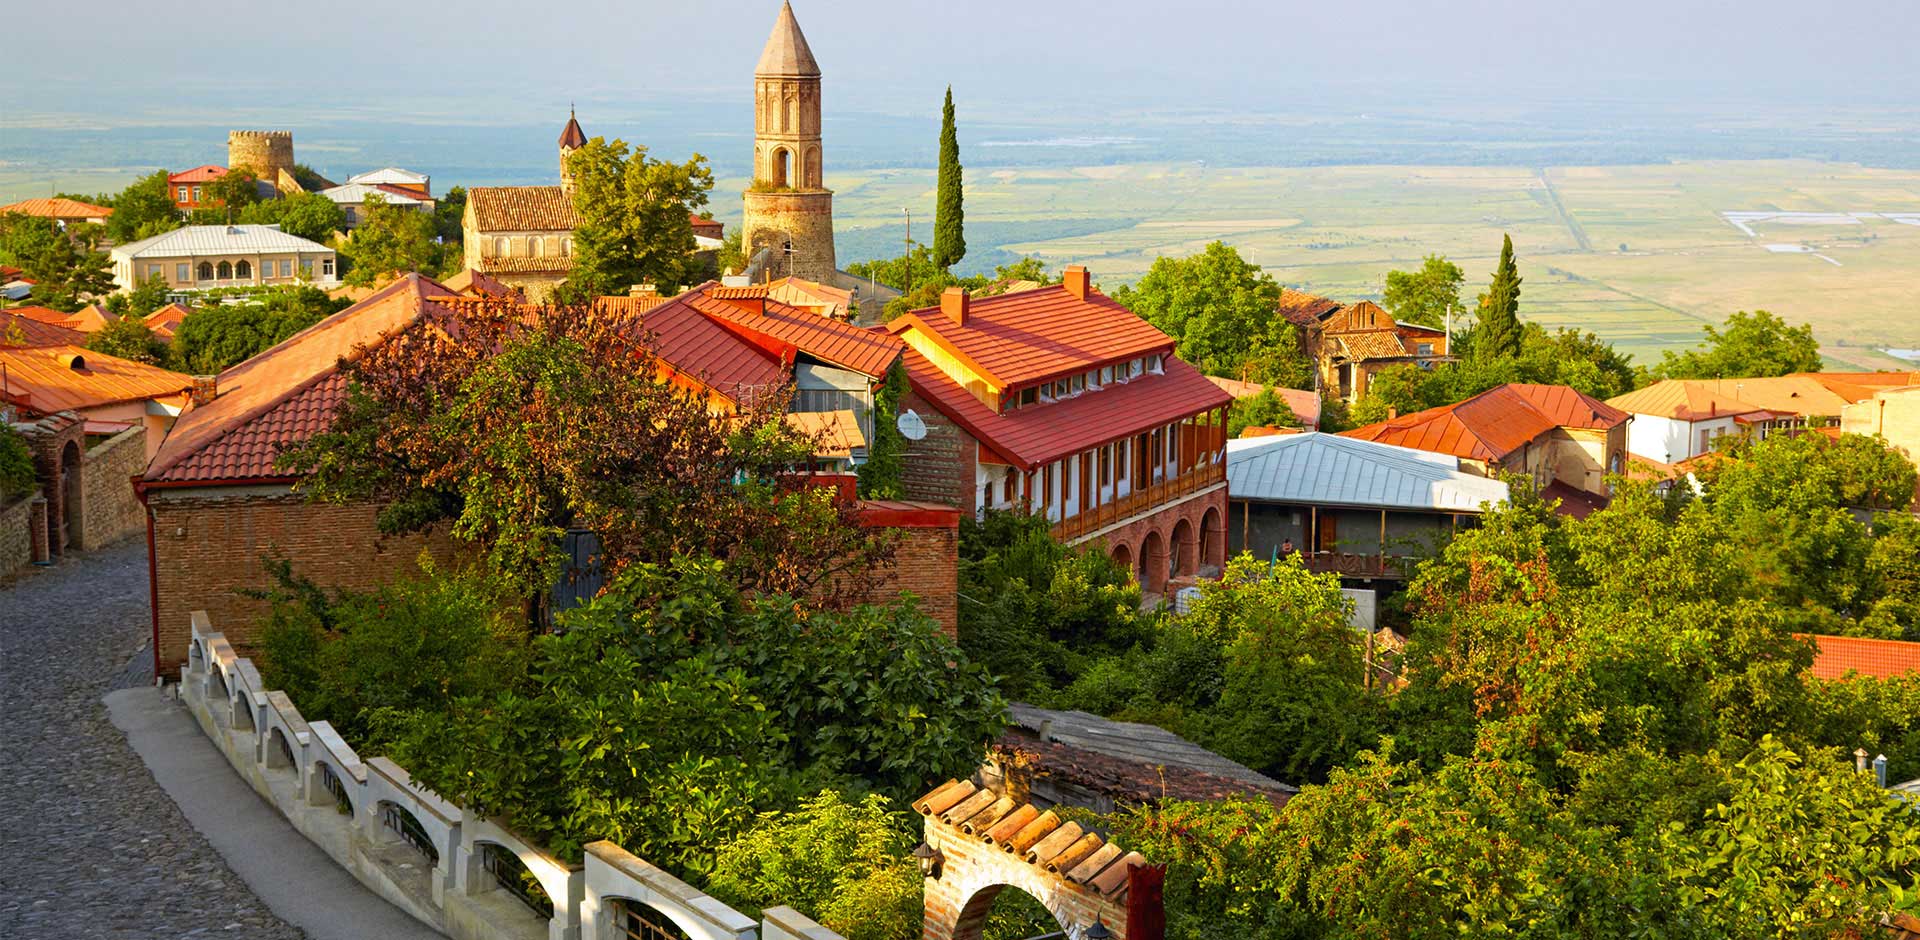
<point>1338,230</point>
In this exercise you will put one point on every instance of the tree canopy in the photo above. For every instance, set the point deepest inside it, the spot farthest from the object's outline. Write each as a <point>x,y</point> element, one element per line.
<point>1751,345</point>
<point>308,215</point>
<point>949,219</point>
<point>634,218</point>
<point>1224,311</point>
<point>1496,331</point>
<point>391,239</point>
<point>65,275</point>
<point>214,338</point>
<point>1424,296</point>
<point>142,210</point>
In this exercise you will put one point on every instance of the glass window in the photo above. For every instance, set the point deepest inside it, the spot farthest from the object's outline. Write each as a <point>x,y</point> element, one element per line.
<point>1106,374</point>
<point>1060,389</point>
<point>243,270</point>
<point>1029,395</point>
<point>1424,349</point>
<point>183,272</point>
<point>180,195</point>
<point>1135,368</point>
<point>224,271</point>
<point>326,267</point>
<point>153,270</point>
<point>1079,384</point>
<point>1046,393</point>
<point>196,194</point>
<point>206,270</point>
<point>286,267</point>
<point>1153,363</point>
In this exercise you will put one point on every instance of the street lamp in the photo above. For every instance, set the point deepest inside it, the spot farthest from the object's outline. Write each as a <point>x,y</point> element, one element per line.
<point>1098,931</point>
<point>930,860</point>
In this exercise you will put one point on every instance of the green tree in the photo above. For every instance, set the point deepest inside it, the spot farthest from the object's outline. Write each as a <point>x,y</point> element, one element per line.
<point>144,209</point>
<point>224,335</point>
<point>1427,295</point>
<point>1265,409</point>
<point>449,213</point>
<point>65,275</point>
<point>233,191</point>
<point>147,296</point>
<point>1496,334</point>
<point>845,864</point>
<point>391,239</point>
<point>881,475</point>
<point>634,218</point>
<point>308,215</point>
<point>16,465</point>
<point>1752,345</point>
<point>949,220</point>
<point>1224,312</point>
<point>127,337</point>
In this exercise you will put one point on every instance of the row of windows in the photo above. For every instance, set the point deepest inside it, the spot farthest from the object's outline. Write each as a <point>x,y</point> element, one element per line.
<point>536,246</point>
<point>242,270</point>
<point>1056,486</point>
<point>1090,380</point>
<point>180,194</point>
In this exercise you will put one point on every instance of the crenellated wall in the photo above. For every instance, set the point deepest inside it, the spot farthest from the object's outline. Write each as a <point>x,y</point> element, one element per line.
<point>427,856</point>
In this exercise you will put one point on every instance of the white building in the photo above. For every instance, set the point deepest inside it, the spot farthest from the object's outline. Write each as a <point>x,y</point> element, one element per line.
<point>198,257</point>
<point>420,183</point>
<point>1679,419</point>
<point>353,197</point>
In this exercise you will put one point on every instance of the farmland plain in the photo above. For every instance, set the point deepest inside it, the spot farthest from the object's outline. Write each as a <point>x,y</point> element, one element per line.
<point>1640,254</point>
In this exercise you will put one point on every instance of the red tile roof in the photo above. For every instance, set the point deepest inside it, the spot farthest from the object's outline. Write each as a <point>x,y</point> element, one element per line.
<point>1494,423</point>
<point>1031,835</point>
<point>1303,309</point>
<point>1304,404</point>
<point>1574,502</point>
<point>710,350</point>
<point>522,209</point>
<point>19,329</point>
<point>57,208</point>
<point>199,174</point>
<point>285,394</point>
<point>62,378</point>
<point>1039,434</point>
<point>1835,657</point>
<point>1031,336</point>
<point>869,352</point>
<point>165,321</point>
<point>471,283</point>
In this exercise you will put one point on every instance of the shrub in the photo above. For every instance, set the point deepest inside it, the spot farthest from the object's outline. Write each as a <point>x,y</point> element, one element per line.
<point>845,864</point>
<point>16,465</point>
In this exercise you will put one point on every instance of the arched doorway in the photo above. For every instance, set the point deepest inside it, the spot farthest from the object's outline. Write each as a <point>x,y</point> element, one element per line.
<point>1123,556</point>
<point>71,509</point>
<point>1186,550</point>
<point>1213,540</point>
<point>1004,912</point>
<point>1153,563</point>
<point>782,167</point>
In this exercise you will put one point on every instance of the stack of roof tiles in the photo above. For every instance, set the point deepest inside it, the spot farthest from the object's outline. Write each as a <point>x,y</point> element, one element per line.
<point>1035,836</point>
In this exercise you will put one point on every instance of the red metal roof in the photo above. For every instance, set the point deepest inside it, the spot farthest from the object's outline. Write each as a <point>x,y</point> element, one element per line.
<point>20,328</point>
<point>58,208</point>
<point>1039,434</point>
<point>869,352</point>
<point>199,174</point>
<point>1494,423</point>
<point>287,393</point>
<point>1018,339</point>
<point>164,321</point>
<point>62,378</point>
<point>696,344</point>
<point>1835,657</point>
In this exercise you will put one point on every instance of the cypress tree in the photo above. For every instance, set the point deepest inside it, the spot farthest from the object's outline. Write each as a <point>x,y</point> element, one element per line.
<point>1497,336</point>
<point>949,235</point>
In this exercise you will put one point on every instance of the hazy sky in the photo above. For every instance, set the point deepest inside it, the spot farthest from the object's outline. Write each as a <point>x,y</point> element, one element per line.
<point>528,56</point>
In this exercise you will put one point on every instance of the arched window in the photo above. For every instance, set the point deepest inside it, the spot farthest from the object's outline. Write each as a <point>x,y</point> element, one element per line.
<point>206,270</point>
<point>225,271</point>
<point>331,782</point>
<point>500,249</point>
<point>782,166</point>
<point>243,270</point>
<point>536,246</point>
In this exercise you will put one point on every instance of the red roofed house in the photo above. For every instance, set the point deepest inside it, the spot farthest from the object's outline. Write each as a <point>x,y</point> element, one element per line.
<point>1565,440</point>
<point>166,321</point>
<point>38,326</point>
<point>1061,401</point>
<point>1837,657</point>
<point>63,211</point>
<point>188,187</point>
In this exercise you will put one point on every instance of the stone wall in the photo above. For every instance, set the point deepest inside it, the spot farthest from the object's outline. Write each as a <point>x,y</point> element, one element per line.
<point>804,218</point>
<point>110,508</point>
<point>208,546</point>
<point>939,468</point>
<point>417,850</point>
<point>17,522</point>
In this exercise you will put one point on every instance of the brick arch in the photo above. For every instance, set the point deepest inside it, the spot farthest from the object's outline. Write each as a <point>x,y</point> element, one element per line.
<point>1123,556</point>
<point>1185,549</point>
<point>1153,562</point>
<point>1213,539</point>
<point>989,842</point>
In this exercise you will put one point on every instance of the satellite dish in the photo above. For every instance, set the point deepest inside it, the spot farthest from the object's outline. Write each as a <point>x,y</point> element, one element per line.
<point>911,425</point>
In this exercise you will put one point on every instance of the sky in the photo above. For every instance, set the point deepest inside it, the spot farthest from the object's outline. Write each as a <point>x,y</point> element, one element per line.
<point>517,59</point>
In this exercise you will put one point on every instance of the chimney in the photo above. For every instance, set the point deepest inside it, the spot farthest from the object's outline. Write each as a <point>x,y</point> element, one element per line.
<point>205,389</point>
<point>1392,412</point>
<point>643,290</point>
<point>1077,283</point>
<point>1860,758</point>
<point>954,302</point>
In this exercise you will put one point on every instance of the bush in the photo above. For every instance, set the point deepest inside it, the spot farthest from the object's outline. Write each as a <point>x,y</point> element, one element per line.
<point>16,466</point>
<point>844,864</point>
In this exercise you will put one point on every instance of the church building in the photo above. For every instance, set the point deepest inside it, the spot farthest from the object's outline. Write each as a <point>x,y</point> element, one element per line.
<point>788,230</point>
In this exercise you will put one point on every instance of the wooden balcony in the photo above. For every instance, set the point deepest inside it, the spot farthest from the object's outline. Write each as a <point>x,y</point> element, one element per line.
<point>1351,565</point>
<point>1139,502</point>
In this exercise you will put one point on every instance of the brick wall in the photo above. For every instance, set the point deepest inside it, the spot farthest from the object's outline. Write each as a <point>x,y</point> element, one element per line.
<point>975,871</point>
<point>111,510</point>
<point>16,534</point>
<point>926,561</point>
<point>208,545</point>
<point>939,468</point>
<point>1207,545</point>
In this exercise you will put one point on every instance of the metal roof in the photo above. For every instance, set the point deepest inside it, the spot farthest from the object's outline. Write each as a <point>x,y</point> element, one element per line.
<point>1326,469</point>
<point>197,240</point>
<point>1148,744</point>
<point>392,174</point>
<point>358,193</point>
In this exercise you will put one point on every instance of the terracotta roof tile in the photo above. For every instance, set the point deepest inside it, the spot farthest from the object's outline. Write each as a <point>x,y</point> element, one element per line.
<point>704,348</point>
<point>1836,657</point>
<point>471,283</point>
<point>1040,434</point>
<point>28,330</point>
<point>1019,339</point>
<point>869,352</point>
<point>166,321</point>
<point>522,209</point>
<point>57,208</point>
<point>1303,309</point>
<point>199,174</point>
<point>1494,423</point>
<point>1304,404</point>
<point>62,378</point>
<point>554,264</point>
<point>1370,345</point>
<point>1044,840</point>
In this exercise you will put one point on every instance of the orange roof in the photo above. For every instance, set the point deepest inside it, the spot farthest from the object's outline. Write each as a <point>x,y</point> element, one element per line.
<point>835,433</point>
<point>165,321</point>
<point>1039,434</point>
<point>710,349</point>
<point>19,328</point>
<point>199,174</point>
<point>869,352</point>
<point>471,283</point>
<point>42,314</point>
<point>522,209</point>
<point>285,394</point>
<point>1039,335</point>
<point>1304,404</point>
<point>1836,657</point>
<point>89,319</point>
<point>1303,309</point>
<point>1803,393</point>
<point>57,208</point>
<point>63,378</point>
<point>1494,423</point>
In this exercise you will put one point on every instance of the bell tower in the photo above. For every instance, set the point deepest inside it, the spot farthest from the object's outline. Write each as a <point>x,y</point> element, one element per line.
<point>789,210</point>
<point>571,138</point>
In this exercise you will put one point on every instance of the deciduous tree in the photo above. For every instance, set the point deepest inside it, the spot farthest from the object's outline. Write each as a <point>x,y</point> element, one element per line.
<point>391,239</point>
<point>1224,313</point>
<point>1752,345</point>
<point>634,218</point>
<point>1427,295</point>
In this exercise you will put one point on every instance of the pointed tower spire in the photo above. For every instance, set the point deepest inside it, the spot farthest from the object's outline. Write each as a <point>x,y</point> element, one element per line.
<point>571,136</point>
<point>786,52</point>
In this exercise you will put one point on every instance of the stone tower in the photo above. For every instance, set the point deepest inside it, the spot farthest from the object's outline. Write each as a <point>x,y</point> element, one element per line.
<point>571,138</point>
<point>789,208</point>
<point>269,154</point>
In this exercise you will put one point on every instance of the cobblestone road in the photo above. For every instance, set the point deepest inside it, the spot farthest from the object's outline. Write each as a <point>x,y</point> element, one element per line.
<point>93,848</point>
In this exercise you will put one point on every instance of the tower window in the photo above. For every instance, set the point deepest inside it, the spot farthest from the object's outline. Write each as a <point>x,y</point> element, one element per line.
<point>782,166</point>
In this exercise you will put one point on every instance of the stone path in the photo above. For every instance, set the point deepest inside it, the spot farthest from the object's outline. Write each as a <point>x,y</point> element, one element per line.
<point>93,848</point>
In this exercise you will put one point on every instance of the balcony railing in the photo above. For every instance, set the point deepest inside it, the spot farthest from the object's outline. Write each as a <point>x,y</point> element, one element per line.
<point>1133,504</point>
<point>1351,565</point>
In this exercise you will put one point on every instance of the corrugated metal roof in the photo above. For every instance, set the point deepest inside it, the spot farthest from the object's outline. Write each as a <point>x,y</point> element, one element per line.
<point>58,208</point>
<point>391,174</point>
<point>62,378</point>
<point>357,193</point>
<point>19,328</point>
<point>1040,334</point>
<point>196,240</point>
<point>1326,469</point>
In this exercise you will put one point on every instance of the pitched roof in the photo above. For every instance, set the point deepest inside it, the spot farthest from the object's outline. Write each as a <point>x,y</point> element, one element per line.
<point>91,318</point>
<point>1032,436</point>
<point>1494,423</point>
<point>1835,657</point>
<point>1330,470</point>
<point>1304,404</point>
<point>1037,335</point>
<point>869,352</point>
<point>62,378</point>
<point>356,193</point>
<point>390,174</point>
<point>836,434</point>
<point>199,174</point>
<point>704,347</point>
<point>571,136</point>
<point>38,330</point>
<point>194,240</point>
<point>1803,393</point>
<point>786,52</point>
<point>1303,309</point>
<point>1373,344</point>
<point>1146,744</point>
<point>285,394</point>
<point>811,295</point>
<point>471,283</point>
<point>58,208</point>
<point>165,321</point>
<point>522,209</point>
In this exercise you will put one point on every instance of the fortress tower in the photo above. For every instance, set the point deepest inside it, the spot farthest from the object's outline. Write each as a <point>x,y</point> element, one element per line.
<point>269,154</point>
<point>788,207</point>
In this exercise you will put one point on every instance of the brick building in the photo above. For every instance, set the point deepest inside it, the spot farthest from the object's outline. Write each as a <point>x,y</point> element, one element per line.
<point>1060,401</point>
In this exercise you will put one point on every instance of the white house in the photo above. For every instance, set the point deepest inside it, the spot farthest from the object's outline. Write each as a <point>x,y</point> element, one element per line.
<point>1678,419</point>
<point>352,198</point>
<point>197,257</point>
